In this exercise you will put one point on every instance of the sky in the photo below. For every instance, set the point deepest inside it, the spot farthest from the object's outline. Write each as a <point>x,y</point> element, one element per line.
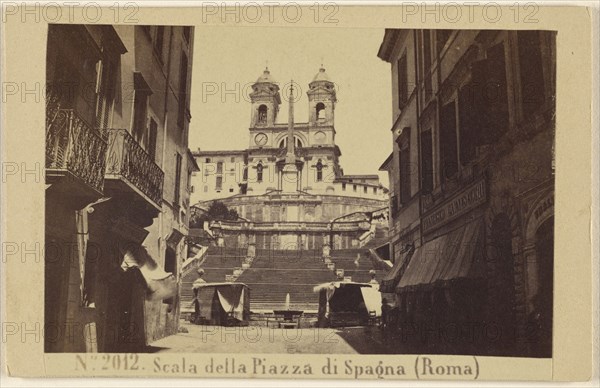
<point>228,60</point>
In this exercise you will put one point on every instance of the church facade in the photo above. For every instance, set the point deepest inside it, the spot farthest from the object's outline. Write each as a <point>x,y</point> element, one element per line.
<point>288,186</point>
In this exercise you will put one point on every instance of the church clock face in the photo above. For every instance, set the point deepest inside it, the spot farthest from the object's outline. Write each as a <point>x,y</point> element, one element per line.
<point>260,139</point>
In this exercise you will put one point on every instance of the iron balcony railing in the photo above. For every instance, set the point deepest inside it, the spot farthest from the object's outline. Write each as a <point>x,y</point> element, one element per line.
<point>73,146</point>
<point>336,226</point>
<point>126,159</point>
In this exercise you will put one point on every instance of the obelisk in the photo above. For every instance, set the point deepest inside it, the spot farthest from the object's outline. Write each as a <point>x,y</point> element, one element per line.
<point>290,169</point>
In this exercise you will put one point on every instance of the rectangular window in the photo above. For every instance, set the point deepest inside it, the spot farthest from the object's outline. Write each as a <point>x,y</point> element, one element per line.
<point>427,62</point>
<point>105,92</point>
<point>365,189</point>
<point>531,71</point>
<point>219,167</point>
<point>498,98</point>
<point>140,106</point>
<point>183,92</point>
<point>426,162</point>
<point>207,160</point>
<point>277,213</point>
<point>258,216</point>
<point>467,129</point>
<point>404,167</point>
<point>374,190</point>
<point>448,144</point>
<point>354,188</point>
<point>442,37</point>
<point>394,205</point>
<point>343,186</point>
<point>259,172</point>
<point>426,50</point>
<point>402,81</point>
<point>219,183</point>
<point>170,260</point>
<point>178,162</point>
<point>170,266</point>
<point>152,139</point>
<point>490,97</point>
<point>159,41</point>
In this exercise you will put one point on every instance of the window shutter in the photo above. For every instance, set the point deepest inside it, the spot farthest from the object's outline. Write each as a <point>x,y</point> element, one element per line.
<point>531,71</point>
<point>448,146</point>
<point>490,99</point>
<point>467,124</point>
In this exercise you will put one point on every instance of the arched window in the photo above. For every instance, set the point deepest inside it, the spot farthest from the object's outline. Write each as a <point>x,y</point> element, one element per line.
<point>320,110</point>
<point>319,171</point>
<point>259,172</point>
<point>262,114</point>
<point>283,142</point>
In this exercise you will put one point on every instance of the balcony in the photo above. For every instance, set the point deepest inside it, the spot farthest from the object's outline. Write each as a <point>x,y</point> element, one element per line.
<point>129,164</point>
<point>74,151</point>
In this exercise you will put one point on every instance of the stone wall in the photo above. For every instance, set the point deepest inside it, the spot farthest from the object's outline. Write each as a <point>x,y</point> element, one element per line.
<point>299,207</point>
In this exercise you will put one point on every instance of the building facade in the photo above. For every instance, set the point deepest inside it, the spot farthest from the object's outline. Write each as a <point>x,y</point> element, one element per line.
<point>288,186</point>
<point>472,185</point>
<point>254,171</point>
<point>118,173</point>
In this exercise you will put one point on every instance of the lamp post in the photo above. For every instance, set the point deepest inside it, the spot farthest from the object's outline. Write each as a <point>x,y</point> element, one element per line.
<point>368,214</point>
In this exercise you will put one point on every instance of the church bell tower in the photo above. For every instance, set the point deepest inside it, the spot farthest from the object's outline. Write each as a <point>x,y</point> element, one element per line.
<point>265,100</point>
<point>321,100</point>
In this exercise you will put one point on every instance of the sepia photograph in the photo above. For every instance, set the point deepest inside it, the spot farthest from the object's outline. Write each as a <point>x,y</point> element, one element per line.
<point>212,189</point>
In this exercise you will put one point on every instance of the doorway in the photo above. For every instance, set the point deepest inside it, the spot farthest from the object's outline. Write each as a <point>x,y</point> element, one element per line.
<point>543,301</point>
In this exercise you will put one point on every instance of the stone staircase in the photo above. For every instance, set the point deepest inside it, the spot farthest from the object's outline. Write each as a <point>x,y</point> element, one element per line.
<point>358,262</point>
<point>217,262</point>
<point>273,274</point>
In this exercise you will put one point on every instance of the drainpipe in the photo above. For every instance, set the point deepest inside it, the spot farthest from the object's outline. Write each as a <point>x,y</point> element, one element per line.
<point>165,122</point>
<point>418,108</point>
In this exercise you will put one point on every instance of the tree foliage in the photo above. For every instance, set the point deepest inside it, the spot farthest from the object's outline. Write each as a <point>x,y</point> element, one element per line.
<point>217,211</point>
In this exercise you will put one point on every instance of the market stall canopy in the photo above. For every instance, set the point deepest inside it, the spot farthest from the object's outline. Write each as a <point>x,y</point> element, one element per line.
<point>454,256</point>
<point>352,294</point>
<point>160,284</point>
<point>231,298</point>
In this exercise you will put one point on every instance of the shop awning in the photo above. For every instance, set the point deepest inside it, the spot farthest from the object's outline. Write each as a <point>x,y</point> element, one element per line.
<point>454,256</point>
<point>389,281</point>
<point>161,284</point>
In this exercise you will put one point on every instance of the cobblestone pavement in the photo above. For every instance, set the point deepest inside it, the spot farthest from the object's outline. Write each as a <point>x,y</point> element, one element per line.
<point>260,339</point>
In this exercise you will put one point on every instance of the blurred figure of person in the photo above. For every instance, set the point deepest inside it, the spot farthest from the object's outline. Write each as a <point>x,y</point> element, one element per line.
<point>196,301</point>
<point>385,314</point>
<point>199,280</point>
<point>372,273</point>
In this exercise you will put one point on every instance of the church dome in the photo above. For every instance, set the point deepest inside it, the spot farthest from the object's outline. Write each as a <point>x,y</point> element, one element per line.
<point>321,76</point>
<point>266,77</point>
